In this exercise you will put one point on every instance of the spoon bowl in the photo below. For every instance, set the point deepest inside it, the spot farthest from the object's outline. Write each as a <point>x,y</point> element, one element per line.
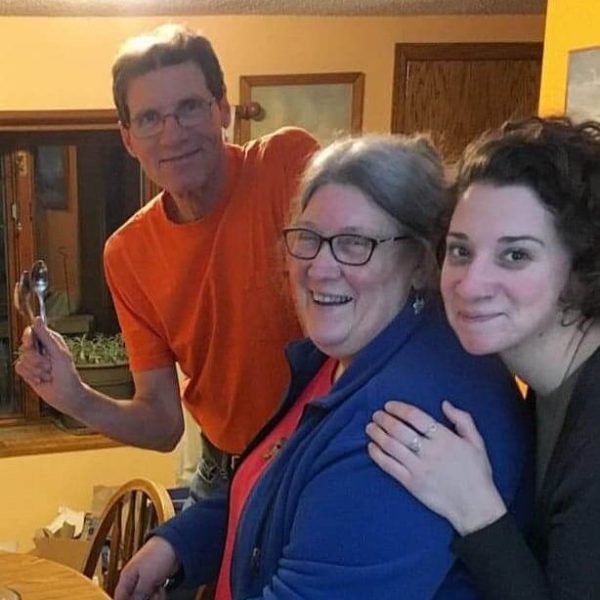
<point>39,283</point>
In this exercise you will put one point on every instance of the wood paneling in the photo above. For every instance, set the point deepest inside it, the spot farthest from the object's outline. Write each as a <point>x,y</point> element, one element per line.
<point>456,91</point>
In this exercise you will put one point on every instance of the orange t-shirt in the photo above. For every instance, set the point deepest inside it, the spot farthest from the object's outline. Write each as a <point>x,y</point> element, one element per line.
<point>212,294</point>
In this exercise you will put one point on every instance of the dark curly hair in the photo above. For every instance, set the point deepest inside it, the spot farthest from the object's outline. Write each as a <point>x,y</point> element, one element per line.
<point>560,161</point>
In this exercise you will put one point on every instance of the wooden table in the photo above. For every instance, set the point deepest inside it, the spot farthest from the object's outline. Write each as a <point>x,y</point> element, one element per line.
<point>40,579</point>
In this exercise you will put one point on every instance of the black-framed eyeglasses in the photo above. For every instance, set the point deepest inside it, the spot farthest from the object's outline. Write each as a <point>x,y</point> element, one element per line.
<point>347,248</point>
<point>190,112</point>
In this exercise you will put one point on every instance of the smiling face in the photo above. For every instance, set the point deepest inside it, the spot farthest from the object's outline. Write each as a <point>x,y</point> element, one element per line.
<point>342,307</point>
<point>504,270</point>
<point>182,160</point>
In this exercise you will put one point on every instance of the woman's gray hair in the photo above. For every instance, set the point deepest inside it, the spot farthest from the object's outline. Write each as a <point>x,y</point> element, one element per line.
<point>403,175</point>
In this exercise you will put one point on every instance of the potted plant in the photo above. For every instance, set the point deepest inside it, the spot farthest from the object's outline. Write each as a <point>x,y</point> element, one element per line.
<point>102,363</point>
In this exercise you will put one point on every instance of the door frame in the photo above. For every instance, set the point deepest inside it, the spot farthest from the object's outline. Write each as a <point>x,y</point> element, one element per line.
<point>58,120</point>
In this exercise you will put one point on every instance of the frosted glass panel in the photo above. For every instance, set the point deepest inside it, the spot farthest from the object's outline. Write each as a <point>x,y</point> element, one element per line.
<point>323,109</point>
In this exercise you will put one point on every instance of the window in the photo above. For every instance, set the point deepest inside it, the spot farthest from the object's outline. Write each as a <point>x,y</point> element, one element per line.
<point>67,184</point>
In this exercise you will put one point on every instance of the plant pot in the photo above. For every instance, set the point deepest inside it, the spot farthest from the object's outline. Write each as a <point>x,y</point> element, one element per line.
<point>113,380</point>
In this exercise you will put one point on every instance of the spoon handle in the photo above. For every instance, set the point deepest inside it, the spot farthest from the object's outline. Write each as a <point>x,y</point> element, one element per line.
<point>42,307</point>
<point>36,341</point>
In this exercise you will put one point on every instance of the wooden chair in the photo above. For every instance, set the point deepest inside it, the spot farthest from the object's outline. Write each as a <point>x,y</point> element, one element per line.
<point>134,509</point>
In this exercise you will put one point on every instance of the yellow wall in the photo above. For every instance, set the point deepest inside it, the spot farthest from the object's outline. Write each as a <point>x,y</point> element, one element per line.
<point>569,25</point>
<point>64,63</point>
<point>33,487</point>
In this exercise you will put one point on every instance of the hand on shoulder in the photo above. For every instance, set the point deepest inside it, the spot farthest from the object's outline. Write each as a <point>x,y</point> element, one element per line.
<point>447,471</point>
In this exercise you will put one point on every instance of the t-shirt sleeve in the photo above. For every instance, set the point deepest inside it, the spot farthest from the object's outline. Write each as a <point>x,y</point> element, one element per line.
<point>300,148</point>
<point>294,148</point>
<point>145,346</point>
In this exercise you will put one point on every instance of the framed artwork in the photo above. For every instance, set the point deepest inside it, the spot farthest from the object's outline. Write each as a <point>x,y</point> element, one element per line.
<point>583,84</point>
<point>329,105</point>
<point>51,177</point>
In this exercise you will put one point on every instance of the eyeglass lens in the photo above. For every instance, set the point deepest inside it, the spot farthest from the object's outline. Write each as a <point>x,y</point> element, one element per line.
<point>346,248</point>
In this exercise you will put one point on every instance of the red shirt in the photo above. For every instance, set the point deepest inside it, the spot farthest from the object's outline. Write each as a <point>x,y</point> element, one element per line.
<point>258,460</point>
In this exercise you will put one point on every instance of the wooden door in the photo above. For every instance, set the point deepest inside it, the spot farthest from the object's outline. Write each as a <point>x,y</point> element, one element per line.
<point>456,91</point>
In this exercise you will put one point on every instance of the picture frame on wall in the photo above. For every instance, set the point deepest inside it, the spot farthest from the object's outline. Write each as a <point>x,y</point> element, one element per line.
<point>328,105</point>
<point>51,177</point>
<point>583,84</point>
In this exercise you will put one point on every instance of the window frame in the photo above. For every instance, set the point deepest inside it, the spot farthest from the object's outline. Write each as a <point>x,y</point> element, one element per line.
<point>29,431</point>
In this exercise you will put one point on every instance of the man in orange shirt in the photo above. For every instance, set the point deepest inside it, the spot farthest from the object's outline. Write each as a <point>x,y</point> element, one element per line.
<point>196,275</point>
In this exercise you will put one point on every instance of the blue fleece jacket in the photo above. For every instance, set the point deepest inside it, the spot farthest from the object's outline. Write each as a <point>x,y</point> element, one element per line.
<point>324,522</point>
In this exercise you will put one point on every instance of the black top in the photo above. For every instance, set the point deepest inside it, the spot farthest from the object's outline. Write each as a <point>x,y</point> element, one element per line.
<point>563,558</point>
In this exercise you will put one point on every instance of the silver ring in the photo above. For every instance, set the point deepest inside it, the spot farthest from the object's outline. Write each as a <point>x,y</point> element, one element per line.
<point>415,445</point>
<point>431,430</point>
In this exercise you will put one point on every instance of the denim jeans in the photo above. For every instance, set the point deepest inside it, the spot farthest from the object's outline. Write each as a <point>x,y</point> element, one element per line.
<point>212,474</point>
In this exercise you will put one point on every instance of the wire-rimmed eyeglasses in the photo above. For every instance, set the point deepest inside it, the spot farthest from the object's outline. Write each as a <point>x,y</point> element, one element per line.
<point>347,248</point>
<point>190,112</point>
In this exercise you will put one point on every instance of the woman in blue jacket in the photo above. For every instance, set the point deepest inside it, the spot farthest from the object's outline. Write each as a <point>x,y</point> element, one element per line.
<point>299,520</point>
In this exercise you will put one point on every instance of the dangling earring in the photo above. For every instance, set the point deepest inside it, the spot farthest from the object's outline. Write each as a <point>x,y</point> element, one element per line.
<point>418,304</point>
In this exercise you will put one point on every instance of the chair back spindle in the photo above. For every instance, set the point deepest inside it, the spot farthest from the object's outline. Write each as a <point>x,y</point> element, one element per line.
<point>133,510</point>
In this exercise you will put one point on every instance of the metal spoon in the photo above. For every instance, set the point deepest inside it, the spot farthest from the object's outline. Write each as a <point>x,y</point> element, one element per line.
<point>39,281</point>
